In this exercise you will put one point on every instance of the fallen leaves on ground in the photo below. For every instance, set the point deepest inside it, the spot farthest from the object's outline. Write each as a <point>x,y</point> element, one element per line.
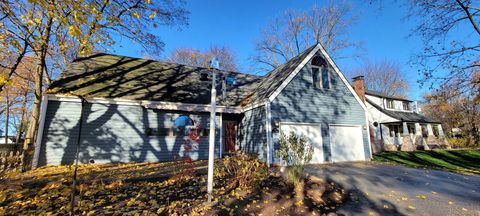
<point>147,188</point>
<point>170,188</point>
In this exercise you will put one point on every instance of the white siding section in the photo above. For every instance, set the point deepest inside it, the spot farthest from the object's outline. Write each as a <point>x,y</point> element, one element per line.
<point>375,99</point>
<point>376,115</point>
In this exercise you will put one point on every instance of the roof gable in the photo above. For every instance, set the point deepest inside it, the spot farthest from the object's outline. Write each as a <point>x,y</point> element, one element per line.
<point>279,78</point>
<point>275,78</point>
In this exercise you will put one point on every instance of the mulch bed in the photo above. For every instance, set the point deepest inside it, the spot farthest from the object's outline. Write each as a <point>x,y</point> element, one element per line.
<point>276,197</point>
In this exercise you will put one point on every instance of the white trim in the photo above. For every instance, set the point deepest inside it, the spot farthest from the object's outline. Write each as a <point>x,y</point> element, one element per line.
<point>300,123</point>
<point>368,135</point>
<point>149,104</point>
<point>345,125</point>
<point>399,110</point>
<point>41,124</point>
<point>268,127</point>
<point>342,77</point>
<point>304,62</point>
<point>294,73</point>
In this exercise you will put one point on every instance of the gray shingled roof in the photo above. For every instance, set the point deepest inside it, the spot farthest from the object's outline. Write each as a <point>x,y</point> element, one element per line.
<point>275,78</point>
<point>404,116</point>
<point>113,76</point>
<point>380,94</point>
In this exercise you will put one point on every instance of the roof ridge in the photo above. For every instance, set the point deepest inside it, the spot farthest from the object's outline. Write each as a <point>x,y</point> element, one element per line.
<point>155,60</point>
<point>272,74</point>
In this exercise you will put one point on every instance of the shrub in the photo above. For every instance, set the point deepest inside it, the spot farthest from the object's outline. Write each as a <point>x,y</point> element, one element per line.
<point>245,170</point>
<point>462,143</point>
<point>295,151</point>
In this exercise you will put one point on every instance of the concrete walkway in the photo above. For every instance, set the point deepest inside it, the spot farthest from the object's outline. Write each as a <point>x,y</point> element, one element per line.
<point>396,190</point>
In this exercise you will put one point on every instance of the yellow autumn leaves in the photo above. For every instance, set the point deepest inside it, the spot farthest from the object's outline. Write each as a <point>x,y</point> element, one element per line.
<point>144,188</point>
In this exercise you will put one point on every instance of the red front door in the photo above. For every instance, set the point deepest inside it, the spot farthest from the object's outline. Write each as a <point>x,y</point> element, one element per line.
<point>230,136</point>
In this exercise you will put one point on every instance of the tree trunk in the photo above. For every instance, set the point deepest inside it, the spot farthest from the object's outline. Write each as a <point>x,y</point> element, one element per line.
<point>20,129</point>
<point>34,119</point>
<point>7,116</point>
<point>42,52</point>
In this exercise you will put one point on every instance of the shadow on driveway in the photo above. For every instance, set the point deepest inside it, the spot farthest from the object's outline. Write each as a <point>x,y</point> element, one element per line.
<point>396,190</point>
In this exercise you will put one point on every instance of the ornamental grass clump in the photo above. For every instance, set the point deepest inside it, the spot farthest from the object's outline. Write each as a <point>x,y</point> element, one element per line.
<point>295,151</point>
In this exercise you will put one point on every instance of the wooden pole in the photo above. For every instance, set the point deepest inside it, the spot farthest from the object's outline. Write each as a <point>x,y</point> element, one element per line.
<point>7,113</point>
<point>74,180</point>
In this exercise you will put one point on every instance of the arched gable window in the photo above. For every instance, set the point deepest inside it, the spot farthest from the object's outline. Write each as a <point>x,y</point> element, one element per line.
<point>321,77</point>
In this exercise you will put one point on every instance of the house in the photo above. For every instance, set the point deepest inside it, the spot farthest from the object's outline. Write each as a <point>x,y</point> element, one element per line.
<point>7,140</point>
<point>144,110</point>
<point>396,124</point>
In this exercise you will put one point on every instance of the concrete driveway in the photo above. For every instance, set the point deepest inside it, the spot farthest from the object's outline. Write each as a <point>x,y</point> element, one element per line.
<point>396,190</point>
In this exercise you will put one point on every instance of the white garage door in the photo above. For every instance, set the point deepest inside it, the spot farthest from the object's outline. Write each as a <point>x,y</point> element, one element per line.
<point>346,143</point>
<point>313,133</point>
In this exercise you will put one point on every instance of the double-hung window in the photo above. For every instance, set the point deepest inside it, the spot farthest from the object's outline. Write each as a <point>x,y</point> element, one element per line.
<point>406,105</point>
<point>325,78</point>
<point>390,104</point>
<point>320,75</point>
<point>316,76</point>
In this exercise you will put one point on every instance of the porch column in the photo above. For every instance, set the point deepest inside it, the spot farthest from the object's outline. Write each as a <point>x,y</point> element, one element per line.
<point>418,129</point>
<point>220,125</point>
<point>429,130</point>
<point>385,134</point>
<point>405,129</point>
<point>440,131</point>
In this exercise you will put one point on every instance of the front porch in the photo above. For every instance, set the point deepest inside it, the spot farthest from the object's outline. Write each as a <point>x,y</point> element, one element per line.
<point>410,136</point>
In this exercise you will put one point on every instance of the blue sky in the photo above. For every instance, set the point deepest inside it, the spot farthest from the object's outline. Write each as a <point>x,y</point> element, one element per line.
<point>237,24</point>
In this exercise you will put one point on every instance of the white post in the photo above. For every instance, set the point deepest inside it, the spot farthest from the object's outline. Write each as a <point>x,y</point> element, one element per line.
<point>220,122</point>
<point>440,131</point>
<point>429,130</point>
<point>418,129</point>
<point>405,129</point>
<point>211,138</point>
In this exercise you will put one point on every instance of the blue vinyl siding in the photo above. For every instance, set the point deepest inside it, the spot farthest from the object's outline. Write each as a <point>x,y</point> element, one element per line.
<point>252,134</point>
<point>300,102</point>
<point>114,133</point>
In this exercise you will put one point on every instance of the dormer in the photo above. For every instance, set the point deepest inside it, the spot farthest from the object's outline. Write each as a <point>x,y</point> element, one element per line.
<point>389,102</point>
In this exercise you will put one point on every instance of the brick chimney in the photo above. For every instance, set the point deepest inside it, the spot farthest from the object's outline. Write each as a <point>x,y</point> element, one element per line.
<point>359,87</point>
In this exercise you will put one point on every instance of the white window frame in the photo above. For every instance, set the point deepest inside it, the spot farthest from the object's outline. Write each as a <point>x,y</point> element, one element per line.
<point>387,104</point>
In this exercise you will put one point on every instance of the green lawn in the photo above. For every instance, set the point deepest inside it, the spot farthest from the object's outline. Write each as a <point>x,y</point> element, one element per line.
<point>461,161</point>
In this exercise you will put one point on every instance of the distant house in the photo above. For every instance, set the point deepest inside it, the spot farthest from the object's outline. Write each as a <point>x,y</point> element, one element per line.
<point>10,140</point>
<point>145,110</point>
<point>396,124</point>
